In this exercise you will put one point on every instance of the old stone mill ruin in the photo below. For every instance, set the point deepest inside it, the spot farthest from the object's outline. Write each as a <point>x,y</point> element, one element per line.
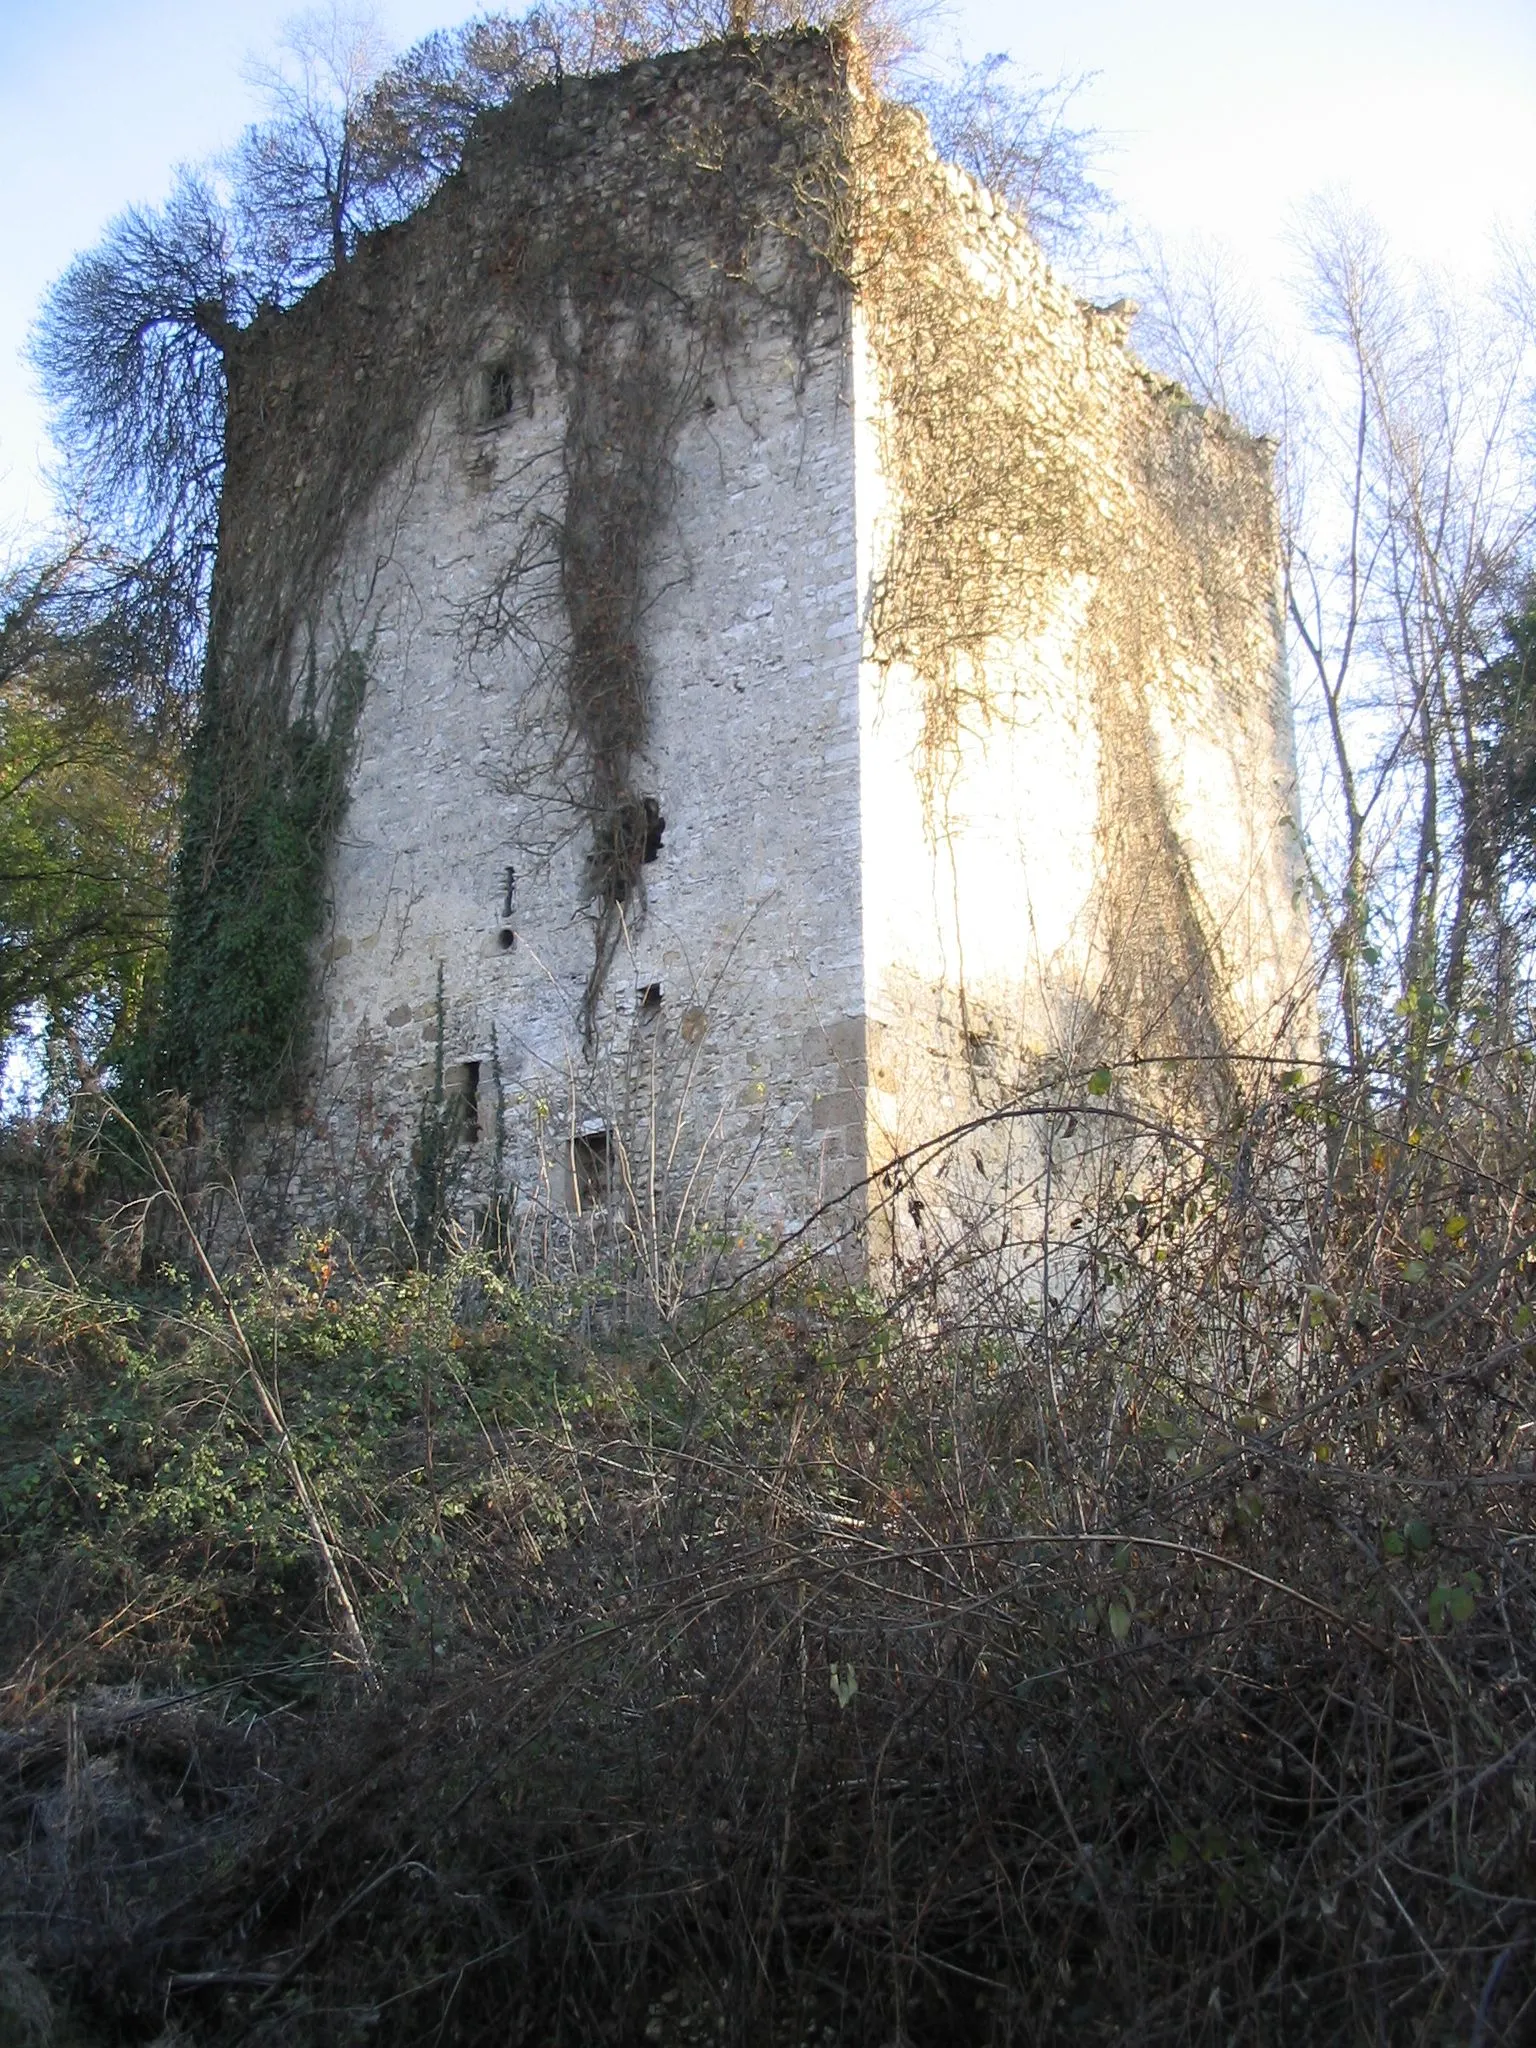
<point>798,681</point>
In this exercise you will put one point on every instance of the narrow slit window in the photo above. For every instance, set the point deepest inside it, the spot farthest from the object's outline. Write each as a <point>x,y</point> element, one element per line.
<point>655,825</point>
<point>507,891</point>
<point>468,1094</point>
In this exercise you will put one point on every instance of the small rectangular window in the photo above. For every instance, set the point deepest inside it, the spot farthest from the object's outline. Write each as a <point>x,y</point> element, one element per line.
<point>592,1164</point>
<point>648,1004</point>
<point>506,387</point>
<point>500,392</point>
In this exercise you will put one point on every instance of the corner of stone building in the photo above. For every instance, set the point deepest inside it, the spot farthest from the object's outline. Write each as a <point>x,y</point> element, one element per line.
<point>1076,722</point>
<point>992,769</point>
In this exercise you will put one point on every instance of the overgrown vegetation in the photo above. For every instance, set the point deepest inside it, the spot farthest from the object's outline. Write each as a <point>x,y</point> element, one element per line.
<point>1146,1654</point>
<point>1127,1637</point>
<point>1401,405</point>
<point>250,899</point>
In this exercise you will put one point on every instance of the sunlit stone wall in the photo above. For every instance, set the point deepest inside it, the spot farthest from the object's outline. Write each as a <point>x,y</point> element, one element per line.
<point>864,924</point>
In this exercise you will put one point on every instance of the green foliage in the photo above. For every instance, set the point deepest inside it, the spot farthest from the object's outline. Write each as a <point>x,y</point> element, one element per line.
<point>1503,710</point>
<point>135,1466</point>
<point>1454,1600</point>
<point>249,903</point>
<point>87,797</point>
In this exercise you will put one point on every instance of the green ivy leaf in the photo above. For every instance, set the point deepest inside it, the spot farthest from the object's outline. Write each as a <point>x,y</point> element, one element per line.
<point>1119,1620</point>
<point>1100,1081</point>
<point>1450,1603</point>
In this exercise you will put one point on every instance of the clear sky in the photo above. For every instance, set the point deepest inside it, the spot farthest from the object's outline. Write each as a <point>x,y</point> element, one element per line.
<point>1221,115</point>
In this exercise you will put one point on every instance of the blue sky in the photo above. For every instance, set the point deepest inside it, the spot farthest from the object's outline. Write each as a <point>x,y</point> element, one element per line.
<point>1220,117</point>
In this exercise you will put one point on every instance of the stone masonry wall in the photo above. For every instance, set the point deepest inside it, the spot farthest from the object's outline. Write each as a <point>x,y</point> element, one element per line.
<point>738,1069</point>
<point>717,1083</point>
<point>950,661</point>
<point>1077,780</point>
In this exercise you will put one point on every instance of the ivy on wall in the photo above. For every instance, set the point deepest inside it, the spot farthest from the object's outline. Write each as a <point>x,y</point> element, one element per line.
<point>249,903</point>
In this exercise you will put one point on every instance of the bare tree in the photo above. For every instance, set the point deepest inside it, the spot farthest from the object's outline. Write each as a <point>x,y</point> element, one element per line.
<point>1011,131</point>
<point>1408,497</point>
<point>130,350</point>
<point>304,183</point>
<point>1199,318</point>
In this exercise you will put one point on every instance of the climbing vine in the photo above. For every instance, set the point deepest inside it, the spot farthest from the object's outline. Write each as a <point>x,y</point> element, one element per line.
<point>249,903</point>
<point>1039,480</point>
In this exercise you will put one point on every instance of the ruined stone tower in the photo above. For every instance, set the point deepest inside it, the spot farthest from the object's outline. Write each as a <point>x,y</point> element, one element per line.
<point>802,681</point>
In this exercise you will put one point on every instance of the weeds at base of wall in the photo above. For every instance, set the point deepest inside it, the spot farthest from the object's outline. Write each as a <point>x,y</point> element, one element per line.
<point>1150,1655</point>
<point>624,1192</point>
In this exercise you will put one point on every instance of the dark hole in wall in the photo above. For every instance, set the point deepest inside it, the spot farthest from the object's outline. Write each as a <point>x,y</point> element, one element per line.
<point>468,1092</point>
<point>630,839</point>
<point>981,1051</point>
<point>500,392</point>
<point>506,938</point>
<point>649,1004</point>
<point>655,825</point>
<point>592,1164</point>
<point>506,390</point>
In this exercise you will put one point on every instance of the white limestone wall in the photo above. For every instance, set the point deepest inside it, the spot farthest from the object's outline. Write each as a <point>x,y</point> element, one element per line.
<point>1121,782</point>
<point>979,893</point>
<point>738,1102</point>
<point>1225,764</point>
